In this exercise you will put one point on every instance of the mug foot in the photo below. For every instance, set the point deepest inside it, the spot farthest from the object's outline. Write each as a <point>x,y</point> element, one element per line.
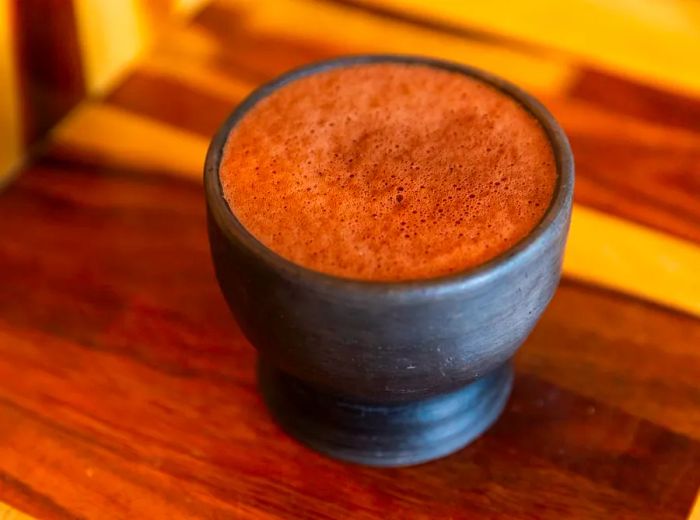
<point>386,435</point>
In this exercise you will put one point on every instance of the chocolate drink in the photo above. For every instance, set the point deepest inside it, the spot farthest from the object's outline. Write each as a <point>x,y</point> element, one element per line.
<point>388,172</point>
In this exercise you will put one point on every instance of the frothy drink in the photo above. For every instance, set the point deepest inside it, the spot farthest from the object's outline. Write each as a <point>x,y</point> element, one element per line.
<point>388,172</point>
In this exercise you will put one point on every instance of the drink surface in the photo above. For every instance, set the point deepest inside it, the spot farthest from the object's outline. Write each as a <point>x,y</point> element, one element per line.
<point>388,172</point>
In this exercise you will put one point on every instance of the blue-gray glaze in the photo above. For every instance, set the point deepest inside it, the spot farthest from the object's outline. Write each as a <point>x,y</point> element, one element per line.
<point>393,344</point>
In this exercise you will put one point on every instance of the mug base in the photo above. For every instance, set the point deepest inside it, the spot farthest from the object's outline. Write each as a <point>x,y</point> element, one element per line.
<point>385,435</point>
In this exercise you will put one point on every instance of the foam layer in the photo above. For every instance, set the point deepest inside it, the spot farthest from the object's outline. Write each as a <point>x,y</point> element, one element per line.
<point>388,172</point>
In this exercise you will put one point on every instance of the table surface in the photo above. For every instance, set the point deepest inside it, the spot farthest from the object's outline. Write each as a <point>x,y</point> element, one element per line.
<point>126,389</point>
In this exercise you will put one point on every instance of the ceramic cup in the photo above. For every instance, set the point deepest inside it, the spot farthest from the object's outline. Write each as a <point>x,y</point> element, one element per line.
<point>387,373</point>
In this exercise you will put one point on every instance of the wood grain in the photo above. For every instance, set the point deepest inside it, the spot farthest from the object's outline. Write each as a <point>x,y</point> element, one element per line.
<point>129,380</point>
<point>614,253</point>
<point>166,99</point>
<point>126,389</point>
<point>621,95</point>
<point>660,160</point>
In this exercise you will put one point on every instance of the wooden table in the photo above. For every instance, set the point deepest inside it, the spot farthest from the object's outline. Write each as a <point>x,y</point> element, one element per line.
<point>127,391</point>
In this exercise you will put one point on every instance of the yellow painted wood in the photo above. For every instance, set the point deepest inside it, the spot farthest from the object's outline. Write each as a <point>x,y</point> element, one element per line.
<point>186,54</point>
<point>10,125</point>
<point>657,41</point>
<point>187,7</point>
<point>695,509</point>
<point>9,513</point>
<point>345,30</point>
<point>111,34</point>
<point>130,140</point>
<point>633,259</point>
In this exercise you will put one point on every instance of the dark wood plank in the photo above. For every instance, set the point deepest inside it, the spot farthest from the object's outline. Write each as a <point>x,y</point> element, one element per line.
<point>49,62</point>
<point>252,55</point>
<point>654,184</point>
<point>135,392</point>
<point>171,101</point>
<point>396,14</point>
<point>624,96</point>
<point>576,347</point>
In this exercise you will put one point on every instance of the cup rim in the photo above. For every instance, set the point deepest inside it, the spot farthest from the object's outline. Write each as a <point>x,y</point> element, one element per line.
<point>233,229</point>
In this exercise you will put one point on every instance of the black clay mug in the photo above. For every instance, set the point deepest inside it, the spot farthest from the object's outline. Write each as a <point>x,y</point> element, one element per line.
<point>387,373</point>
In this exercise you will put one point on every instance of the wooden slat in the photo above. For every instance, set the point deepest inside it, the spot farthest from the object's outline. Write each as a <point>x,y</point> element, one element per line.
<point>613,253</point>
<point>613,345</point>
<point>9,513</point>
<point>634,168</point>
<point>111,34</point>
<point>126,139</point>
<point>695,509</point>
<point>618,94</point>
<point>656,41</point>
<point>49,66</point>
<point>269,37</point>
<point>190,56</point>
<point>10,129</point>
<point>164,98</point>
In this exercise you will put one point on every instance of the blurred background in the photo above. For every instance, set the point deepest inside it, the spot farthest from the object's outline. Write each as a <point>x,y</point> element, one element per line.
<point>124,81</point>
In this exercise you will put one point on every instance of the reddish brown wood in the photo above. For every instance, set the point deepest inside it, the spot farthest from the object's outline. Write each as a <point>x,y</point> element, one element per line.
<point>257,56</point>
<point>127,389</point>
<point>49,62</point>
<point>657,185</point>
<point>658,174</point>
<point>161,98</point>
<point>627,97</point>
